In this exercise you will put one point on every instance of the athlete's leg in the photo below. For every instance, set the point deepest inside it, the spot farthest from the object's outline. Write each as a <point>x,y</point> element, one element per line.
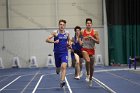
<point>81,66</point>
<point>64,60</point>
<point>77,66</point>
<point>92,59</point>
<point>63,74</point>
<point>63,70</point>
<point>81,60</point>
<point>87,64</point>
<point>87,59</point>
<point>72,59</point>
<point>57,62</point>
<point>87,70</point>
<point>86,56</point>
<point>91,70</point>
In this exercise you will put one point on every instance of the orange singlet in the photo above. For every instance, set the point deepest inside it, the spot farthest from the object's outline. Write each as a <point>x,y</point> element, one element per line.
<point>88,43</point>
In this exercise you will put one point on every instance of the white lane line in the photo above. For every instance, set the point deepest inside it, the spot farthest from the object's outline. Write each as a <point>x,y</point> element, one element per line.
<point>104,85</point>
<point>117,69</point>
<point>38,84</point>
<point>29,82</point>
<point>68,85</point>
<point>107,70</point>
<point>111,70</point>
<point>10,83</point>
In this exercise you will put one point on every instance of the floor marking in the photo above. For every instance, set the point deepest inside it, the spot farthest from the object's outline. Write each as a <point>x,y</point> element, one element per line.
<point>38,84</point>
<point>133,82</point>
<point>10,83</point>
<point>29,82</point>
<point>104,85</point>
<point>109,70</point>
<point>117,69</point>
<point>68,85</point>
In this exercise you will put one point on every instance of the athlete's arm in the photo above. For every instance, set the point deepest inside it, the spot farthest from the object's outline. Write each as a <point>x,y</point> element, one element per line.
<point>70,46</point>
<point>49,39</point>
<point>69,40</point>
<point>79,37</point>
<point>72,39</point>
<point>96,37</point>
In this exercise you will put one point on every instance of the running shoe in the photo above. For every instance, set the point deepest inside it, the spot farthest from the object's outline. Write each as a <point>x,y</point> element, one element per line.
<point>62,84</point>
<point>90,83</point>
<point>77,77</point>
<point>57,70</point>
<point>87,78</point>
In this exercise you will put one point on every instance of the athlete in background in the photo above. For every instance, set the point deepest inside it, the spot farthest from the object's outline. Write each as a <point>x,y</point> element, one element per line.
<point>76,48</point>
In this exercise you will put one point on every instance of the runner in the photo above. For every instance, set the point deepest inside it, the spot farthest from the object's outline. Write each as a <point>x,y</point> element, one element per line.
<point>61,41</point>
<point>76,47</point>
<point>90,37</point>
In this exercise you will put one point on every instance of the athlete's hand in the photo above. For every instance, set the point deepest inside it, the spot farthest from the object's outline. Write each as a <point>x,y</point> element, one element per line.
<point>57,41</point>
<point>69,46</point>
<point>94,38</point>
<point>89,37</point>
<point>86,37</point>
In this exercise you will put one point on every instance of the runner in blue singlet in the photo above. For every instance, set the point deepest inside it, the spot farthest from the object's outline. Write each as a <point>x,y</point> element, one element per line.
<point>76,47</point>
<point>61,41</point>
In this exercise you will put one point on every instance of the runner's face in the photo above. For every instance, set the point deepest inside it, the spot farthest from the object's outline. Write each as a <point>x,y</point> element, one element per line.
<point>77,32</point>
<point>62,26</point>
<point>89,24</point>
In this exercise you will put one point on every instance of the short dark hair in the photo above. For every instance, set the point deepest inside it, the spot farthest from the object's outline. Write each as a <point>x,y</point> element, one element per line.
<point>62,20</point>
<point>77,27</point>
<point>88,19</point>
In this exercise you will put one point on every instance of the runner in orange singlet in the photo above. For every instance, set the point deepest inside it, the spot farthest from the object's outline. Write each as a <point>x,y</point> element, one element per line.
<point>90,37</point>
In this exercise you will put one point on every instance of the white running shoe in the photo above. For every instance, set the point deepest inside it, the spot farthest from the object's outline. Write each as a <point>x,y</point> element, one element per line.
<point>77,78</point>
<point>87,78</point>
<point>90,83</point>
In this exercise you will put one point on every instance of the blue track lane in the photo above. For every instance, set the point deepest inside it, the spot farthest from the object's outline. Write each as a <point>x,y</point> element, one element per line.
<point>119,81</point>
